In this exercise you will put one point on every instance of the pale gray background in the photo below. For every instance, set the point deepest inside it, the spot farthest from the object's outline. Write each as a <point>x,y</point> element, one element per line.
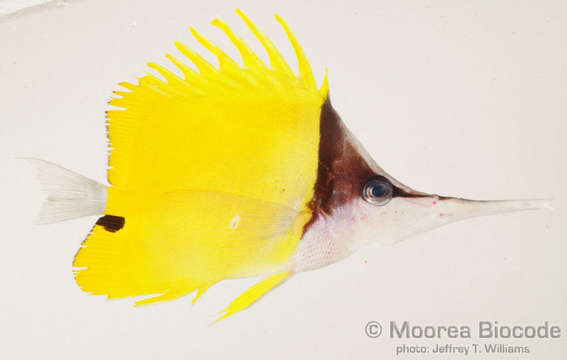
<point>455,97</point>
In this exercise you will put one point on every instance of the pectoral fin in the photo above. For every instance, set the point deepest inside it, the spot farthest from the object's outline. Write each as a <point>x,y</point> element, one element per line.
<point>254,293</point>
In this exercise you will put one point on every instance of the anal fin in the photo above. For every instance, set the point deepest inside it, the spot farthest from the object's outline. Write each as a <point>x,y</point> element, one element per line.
<point>200,291</point>
<point>167,296</point>
<point>172,294</point>
<point>252,294</point>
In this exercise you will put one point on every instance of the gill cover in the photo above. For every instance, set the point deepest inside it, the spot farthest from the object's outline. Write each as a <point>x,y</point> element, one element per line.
<point>211,173</point>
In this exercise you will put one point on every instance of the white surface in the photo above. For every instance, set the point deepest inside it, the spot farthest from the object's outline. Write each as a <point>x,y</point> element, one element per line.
<point>454,97</point>
<point>8,7</point>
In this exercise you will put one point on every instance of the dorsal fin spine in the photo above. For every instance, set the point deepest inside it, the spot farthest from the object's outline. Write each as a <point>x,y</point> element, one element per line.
<point>249,59</point>
<point>303,65</point>
<point>324,89</point>
<point>276,60</point>
<point>205,68</point>
<point>171,78</point>
<point>229,74</point>
<point>190,75</point>
<point>225,62</point>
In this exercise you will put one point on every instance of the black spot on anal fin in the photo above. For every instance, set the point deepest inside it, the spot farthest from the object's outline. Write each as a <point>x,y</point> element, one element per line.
<point>111,223</point>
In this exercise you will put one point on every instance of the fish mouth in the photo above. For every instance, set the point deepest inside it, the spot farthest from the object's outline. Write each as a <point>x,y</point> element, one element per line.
<point>455,208</point>
<point>408,216</point>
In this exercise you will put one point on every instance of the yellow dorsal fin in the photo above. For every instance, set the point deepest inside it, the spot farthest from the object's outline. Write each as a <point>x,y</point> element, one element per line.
<point>276,60</point>
<point>191,76</point>
<point>324,90</point>
<point>304,68</point>
<point>225,62</point>
<point>186,101</point>
<point>170,77</point>
<point>249,59</point>
<point>205,68</point>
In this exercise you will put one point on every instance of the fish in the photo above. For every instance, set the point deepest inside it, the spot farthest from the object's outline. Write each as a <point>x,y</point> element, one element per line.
<point>234,170</point>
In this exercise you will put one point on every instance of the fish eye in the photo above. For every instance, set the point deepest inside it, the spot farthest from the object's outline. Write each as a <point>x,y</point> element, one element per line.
<point>377,192</point>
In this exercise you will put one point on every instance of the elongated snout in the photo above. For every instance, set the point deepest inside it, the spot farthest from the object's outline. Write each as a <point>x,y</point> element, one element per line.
<point>408,215</point>
<point>453,209</point>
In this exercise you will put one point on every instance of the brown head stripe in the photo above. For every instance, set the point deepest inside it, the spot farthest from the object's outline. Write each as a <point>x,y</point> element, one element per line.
<point>342,171</point>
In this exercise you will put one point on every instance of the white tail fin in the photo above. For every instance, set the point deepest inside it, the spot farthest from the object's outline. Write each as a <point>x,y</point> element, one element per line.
<point>68,195</point>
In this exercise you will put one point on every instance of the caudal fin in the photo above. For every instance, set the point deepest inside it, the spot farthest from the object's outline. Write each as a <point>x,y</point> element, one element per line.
<point>68,195</point>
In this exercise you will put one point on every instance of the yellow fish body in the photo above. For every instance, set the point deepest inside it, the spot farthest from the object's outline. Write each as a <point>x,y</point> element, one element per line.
<point>228,172</point>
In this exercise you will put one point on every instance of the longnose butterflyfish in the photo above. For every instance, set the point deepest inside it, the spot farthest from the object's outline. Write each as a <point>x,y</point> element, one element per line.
<point>231,171</point>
